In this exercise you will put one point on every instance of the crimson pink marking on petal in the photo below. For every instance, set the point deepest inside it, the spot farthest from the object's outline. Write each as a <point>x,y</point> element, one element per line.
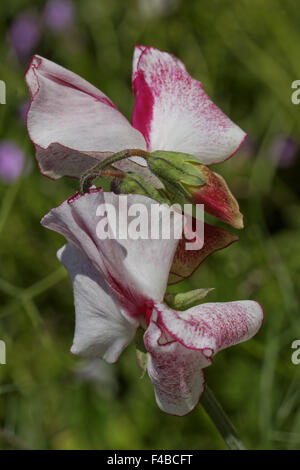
<point>207,352</point>
<point>135,306</point>
<point>102,99</point>
<point>164,363</point>
<point>227,326</point>
<point>74,197</point>
<point>78,195</point>
<point>32,66</point>
<point>148,311</point>
<point>143,109</point>
<point>263,316</point>
<point>36,66</point>
<point>135,65</point>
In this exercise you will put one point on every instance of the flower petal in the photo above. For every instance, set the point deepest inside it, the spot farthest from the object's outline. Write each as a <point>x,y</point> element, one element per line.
<point>217,198</point>
<point>71,113</point>
<point>57,160</point>
<point>186,262</point>
<point>137,269</point>
<point>211,327</point>
<point>102,327</point>
<point>174,113</point>
<point>175,372</point>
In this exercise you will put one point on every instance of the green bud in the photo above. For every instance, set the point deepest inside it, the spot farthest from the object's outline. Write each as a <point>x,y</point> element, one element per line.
<point>186,180</point>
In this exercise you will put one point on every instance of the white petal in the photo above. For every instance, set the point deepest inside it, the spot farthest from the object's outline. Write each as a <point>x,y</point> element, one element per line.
<point>102,327</point>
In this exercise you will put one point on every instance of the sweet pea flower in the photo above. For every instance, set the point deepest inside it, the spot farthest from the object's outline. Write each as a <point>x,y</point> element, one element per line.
<point>119,287</point>
<point>73,125</point>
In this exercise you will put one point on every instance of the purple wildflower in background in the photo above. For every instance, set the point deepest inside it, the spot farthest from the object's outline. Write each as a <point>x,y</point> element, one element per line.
<point>11,161</point>
<point>284,150</point>
<point>59,14</point>
<point>25,33</point>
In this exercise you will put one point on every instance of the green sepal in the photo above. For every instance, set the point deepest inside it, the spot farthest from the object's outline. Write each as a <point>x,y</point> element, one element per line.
<point>185,300</point>
<point>139,340</point>
<point>176,167</point>
<point>134,184</point>
<point>141,351</point>
<point>142,359</point>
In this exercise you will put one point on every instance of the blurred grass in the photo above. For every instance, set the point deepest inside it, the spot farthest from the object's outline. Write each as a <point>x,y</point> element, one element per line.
<point>247,55</point>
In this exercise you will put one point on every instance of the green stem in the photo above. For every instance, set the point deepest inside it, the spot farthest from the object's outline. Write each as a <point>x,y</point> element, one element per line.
<point>221,420</point>
<point>96,171</point>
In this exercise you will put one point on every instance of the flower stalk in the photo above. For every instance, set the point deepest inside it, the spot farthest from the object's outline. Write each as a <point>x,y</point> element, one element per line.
<point>95,172</point>
<point>221,420</point>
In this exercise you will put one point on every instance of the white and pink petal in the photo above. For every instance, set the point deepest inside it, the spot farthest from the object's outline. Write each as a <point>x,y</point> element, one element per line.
<point>211,327</point>
<point>175,372</point>
<point>137,269</point>
<point>174,113</point>
<point>70,113</point>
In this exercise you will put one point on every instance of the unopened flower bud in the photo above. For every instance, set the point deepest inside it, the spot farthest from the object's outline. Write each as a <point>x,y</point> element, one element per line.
<point>187,180</point>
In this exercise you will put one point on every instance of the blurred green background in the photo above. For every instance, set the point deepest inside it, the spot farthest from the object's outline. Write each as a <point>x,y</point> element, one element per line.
<point>246,53</point>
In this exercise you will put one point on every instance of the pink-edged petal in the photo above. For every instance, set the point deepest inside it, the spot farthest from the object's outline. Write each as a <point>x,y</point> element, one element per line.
<point>102,328</point>
<point>211,327</point>
<point>70,115</point>
<point>174,113</point>
<point>175,372</point>
<point>138,50</point>
<point>186,262</point>
<point>137,269</point>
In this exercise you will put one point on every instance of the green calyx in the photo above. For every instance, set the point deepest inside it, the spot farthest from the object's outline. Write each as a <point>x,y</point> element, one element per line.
<point>172,167</point>
<point>185,300</point>
<point>141,352</point>
<point>176,170</point>
<point>139,340</point>
<point>133,184</point>
<point>98,170</point>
